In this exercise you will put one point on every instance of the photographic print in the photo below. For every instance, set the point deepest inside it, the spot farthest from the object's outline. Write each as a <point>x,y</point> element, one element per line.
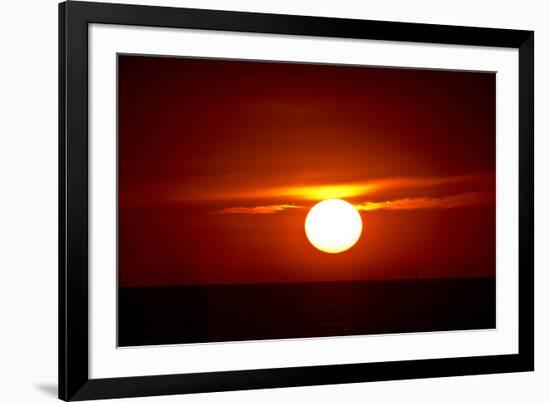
<point>255,201</point>
<point>271,200</point>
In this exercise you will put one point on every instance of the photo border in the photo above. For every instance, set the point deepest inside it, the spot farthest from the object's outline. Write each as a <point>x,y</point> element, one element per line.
<point>74,381</point>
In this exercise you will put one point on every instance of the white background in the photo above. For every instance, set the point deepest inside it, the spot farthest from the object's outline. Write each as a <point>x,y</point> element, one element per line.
<point>28,202</point>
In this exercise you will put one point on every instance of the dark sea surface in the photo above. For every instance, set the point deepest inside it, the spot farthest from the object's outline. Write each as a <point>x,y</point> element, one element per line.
<point>216,313</point>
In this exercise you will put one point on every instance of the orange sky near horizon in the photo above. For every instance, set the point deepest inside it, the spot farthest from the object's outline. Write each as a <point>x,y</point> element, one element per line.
<point>219,162</point>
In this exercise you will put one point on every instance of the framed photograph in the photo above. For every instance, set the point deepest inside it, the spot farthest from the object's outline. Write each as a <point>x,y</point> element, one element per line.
<point>257,200</point>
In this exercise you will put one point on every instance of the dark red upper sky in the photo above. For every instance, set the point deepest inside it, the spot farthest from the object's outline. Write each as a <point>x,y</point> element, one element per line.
<point>219,162</point>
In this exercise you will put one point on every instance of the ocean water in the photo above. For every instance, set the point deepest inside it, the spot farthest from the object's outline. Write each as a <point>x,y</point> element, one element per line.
<point>218,313</point>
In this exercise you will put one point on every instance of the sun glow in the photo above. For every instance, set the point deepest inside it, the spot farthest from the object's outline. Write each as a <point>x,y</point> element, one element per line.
<point>333,225</point>
<point>328,191</point>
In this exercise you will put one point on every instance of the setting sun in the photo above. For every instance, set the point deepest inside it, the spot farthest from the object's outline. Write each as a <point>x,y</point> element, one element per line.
<point>333,225</point>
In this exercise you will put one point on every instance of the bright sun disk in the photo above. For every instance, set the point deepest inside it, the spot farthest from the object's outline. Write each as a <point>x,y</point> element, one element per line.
<point>333,225</point>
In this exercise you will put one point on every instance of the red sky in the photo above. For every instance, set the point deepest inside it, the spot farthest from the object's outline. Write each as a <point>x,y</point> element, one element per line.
<point>219,162</point>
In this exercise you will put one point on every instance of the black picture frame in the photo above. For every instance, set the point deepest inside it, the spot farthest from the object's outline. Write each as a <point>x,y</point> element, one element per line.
<point>74,381</point>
